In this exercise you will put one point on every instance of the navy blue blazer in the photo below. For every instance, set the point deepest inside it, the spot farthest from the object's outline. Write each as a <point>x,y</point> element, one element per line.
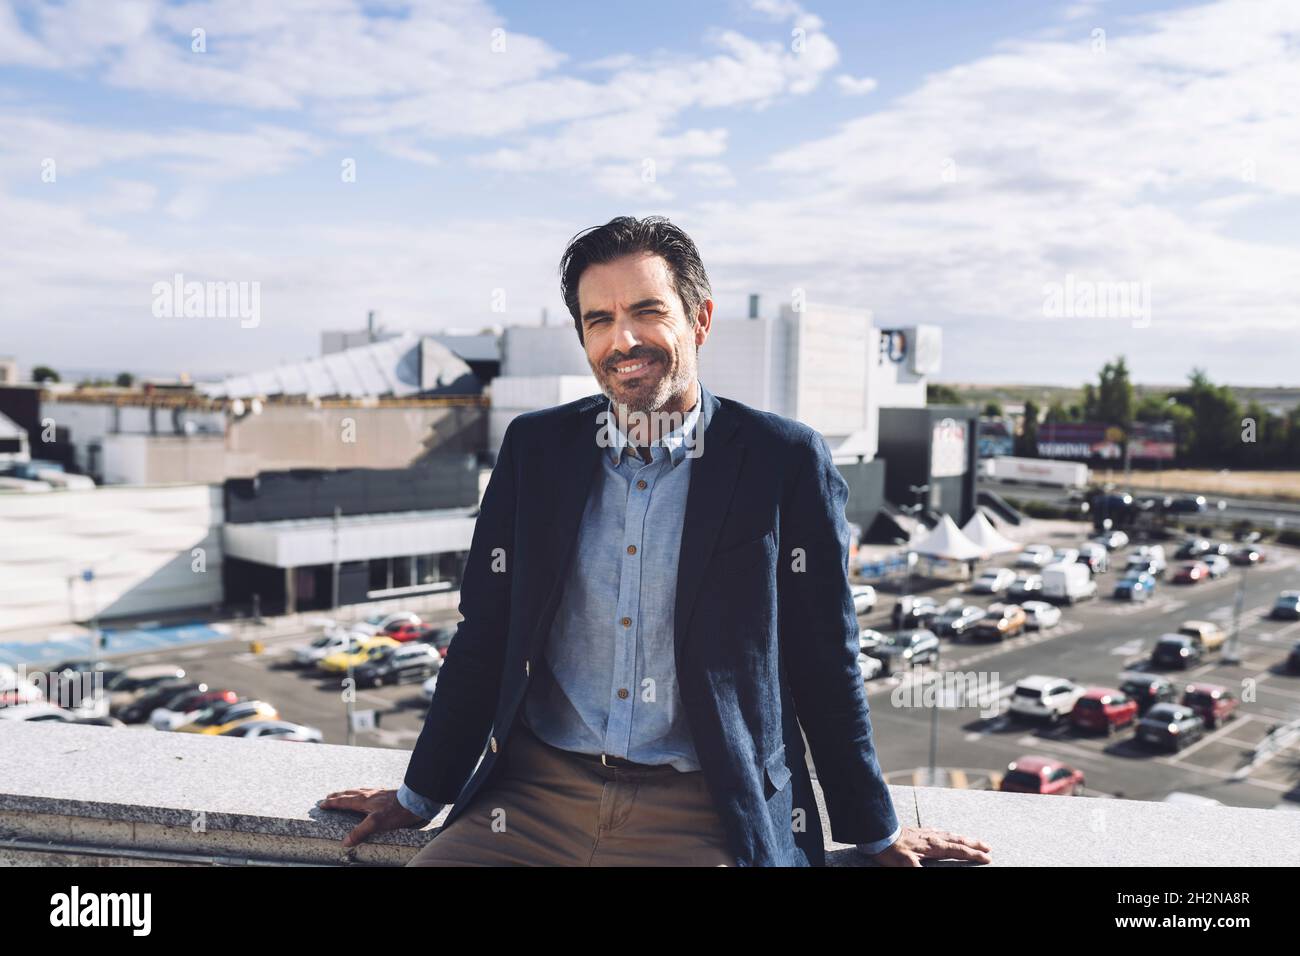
<point>765,631</point>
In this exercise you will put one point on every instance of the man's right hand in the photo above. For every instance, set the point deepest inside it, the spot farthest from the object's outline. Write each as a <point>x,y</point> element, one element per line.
<point>382,810</point>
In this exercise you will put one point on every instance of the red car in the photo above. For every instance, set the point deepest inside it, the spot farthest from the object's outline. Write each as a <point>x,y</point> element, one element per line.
<point>1212,703</point>
<point>1103,709</point>
<point>1191,572</point>
<point>403,631</point>
<point>1042,775</point>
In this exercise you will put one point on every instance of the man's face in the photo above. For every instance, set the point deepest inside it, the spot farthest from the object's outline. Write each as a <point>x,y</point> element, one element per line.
<point>640,344</point>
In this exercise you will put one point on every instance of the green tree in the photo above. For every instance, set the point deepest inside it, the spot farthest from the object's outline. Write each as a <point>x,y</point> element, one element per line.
<point>936,394</point>
<point>125,379</point>
<point>992,410</point>
<point>43,373</point>
<point>1114,396</point>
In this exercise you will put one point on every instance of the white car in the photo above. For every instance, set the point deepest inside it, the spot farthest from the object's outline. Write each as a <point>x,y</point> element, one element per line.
<point>428,687</point>
<point>332,642</point>
<point>14,691</point>
<point>1034,556</point>
<point>38,711</point>
<point>377,623</point>
<point>1065,556</point>
<point>993,581</point>
<point>864,598</point>
<point>1040,615</point>
<point>870,667</point>
<point>276,730</point>
<point>1217,564</point>
<point>1044,698</point>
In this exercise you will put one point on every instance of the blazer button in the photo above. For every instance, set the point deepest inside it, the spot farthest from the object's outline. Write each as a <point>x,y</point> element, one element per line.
<point>494,745</point>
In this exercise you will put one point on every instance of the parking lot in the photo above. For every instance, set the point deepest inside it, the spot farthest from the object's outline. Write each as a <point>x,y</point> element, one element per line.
<point>1095,641</point>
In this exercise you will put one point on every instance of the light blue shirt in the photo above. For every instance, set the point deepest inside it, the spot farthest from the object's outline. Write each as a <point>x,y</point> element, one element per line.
<point>606,681</point>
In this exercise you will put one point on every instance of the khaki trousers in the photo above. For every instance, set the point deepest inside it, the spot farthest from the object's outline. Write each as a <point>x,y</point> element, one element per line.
<point>548,807</point>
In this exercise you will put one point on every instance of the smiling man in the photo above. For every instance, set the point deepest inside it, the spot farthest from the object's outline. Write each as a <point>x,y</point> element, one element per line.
<point>656,612</point>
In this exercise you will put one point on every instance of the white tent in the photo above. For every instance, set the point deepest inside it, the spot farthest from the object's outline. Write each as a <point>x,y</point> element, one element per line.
<point>946,542</point>
<point>981,531</point>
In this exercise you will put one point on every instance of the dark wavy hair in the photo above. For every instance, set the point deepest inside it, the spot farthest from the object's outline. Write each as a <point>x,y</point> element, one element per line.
<point>625,235</point>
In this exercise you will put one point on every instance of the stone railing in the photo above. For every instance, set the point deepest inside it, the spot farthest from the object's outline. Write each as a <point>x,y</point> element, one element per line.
<point>74,794</point>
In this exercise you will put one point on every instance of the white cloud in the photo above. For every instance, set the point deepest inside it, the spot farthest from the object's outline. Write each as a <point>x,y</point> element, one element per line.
<point>855,86</point>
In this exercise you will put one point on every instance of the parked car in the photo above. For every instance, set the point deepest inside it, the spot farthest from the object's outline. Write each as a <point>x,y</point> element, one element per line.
<point>905,649</point>
<point>1191,572</point>
<point>869,667</point>
<point>1154,556</point>
<point>910,612</point>
<point>1000,621</point>
<point>1039,615</point>
<point>1292,663</point>
<point>134,681</point>
<point>1217,566</point>
<point>1040,697</point>
<point>223,717</point>
<point>1068,582</point>
<point>1034,556</point>
<point>1286,607</point>
<point>439,637</point>
<point>1065,556</point>
<point>393,665</point>
<point>956,621</point>
<point>993,581</point>
<point>356,653</point>
<point>864,598</point>
<point>187,707</point>
<point>331,642</point>
<point>1147,690</point>
<point>44,712</point>
<point>1170,726</point>
<point>276,730</point>
<point>1042,775</point>
<point>1103,709</point>
<point>1112,540</point>
<point>1248,555</point>
<point>868,639</point>
<point>1211,636</point>
<point>1192,549</point>
<point>1135,586</point>
<point>1176,650</point>
<point>1194,800</point>
<point>1025,587</point>
<point>1185,504</point>
<point>428,687</point>
<point>1212,703</point>
<point>138,711</point>
<point>404,631</point>
<point>1095,556</point>
<point>378,623</point>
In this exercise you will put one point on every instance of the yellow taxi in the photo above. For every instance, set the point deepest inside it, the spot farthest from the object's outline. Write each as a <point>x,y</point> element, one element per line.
<point>219,719</point>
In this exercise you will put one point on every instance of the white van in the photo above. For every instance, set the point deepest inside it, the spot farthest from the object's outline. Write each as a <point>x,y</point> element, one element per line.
<point>1068,582</point>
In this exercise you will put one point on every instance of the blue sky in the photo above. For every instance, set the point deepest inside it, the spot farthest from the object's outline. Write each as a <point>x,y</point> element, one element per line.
<point>932,161</point>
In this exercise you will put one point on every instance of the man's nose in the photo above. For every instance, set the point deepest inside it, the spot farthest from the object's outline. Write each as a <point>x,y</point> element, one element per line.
<point>625,337</point>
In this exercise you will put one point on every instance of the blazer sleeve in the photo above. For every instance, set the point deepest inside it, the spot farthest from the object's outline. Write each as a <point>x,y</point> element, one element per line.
<point>819,642</point>
<point>464,702</point>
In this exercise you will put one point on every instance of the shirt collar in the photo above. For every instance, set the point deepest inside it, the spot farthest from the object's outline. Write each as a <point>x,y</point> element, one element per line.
<point>675,441</point>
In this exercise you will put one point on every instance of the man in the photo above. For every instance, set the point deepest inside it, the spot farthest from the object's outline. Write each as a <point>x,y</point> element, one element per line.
<point>656,611</point>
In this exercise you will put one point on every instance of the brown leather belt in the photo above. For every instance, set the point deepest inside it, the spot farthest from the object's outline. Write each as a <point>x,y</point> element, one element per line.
<point>604,760</point>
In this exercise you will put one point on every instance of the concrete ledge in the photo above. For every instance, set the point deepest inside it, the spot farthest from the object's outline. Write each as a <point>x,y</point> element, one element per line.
<point>101,796</point>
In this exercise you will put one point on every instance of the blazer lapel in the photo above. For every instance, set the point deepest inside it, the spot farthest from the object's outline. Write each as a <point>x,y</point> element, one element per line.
<point>714,475</point>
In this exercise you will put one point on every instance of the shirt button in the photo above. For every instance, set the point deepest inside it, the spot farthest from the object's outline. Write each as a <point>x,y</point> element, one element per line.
<point>622,693</point>
<point>641,484</point>
<point>627,622</point>
<point>631,549</point>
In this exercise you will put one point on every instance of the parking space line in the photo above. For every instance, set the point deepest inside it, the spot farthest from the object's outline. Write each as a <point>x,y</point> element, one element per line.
<point>1213,736</point>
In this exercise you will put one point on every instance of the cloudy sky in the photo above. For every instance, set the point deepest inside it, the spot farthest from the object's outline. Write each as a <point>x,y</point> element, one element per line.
<point>930,161</point>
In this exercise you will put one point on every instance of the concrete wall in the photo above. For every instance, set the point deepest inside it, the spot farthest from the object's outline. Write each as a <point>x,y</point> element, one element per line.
<point>542,350</point>
<point>138,541</point>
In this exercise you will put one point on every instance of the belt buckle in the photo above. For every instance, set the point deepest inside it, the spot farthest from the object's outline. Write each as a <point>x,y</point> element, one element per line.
<point>604,762</point>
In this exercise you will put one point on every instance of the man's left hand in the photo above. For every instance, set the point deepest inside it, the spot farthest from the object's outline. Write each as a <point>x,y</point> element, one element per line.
<point>915,844</point>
